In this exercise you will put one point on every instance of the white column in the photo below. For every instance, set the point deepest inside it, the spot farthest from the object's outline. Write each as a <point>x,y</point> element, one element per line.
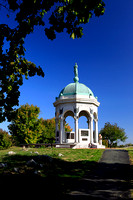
<point>91,129</point>
<point>64,137</point>
<point>56,128</point>
<point>61,129</point>
<point>76,129</point>
<point>96,130</point>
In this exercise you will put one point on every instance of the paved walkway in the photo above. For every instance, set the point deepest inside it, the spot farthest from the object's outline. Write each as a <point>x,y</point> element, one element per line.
<point>112,156</point>
<point>111,180</point>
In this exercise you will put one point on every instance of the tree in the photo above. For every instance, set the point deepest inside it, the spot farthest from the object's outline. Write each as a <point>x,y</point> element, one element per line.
<point>113,134</point>
<point>5,139</point>
<point>26,127</point>
<point>67,15</point>
<point>48,133</point>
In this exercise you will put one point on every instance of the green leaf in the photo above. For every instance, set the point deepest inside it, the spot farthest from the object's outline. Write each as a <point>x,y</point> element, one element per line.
<point>73,36</point>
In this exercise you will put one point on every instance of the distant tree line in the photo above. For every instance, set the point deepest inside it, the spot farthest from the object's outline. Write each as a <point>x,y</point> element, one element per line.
<point>27,128</point>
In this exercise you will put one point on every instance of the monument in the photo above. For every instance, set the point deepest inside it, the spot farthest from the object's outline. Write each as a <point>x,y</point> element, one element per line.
<point>77,100</point>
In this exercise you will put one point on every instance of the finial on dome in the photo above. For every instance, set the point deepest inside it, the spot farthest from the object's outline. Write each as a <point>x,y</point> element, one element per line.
<point>76,78</point>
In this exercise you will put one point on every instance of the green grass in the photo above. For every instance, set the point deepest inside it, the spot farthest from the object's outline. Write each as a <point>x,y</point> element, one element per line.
<point>73,163</point>
<point>130,152</point>
<point>56,178</point>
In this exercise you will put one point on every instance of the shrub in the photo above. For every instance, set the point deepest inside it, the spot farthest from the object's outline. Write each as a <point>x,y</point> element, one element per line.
<point>5,140</point>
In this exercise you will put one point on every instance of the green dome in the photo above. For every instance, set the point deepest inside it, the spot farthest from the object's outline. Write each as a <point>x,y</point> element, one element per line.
<point>76,88</point>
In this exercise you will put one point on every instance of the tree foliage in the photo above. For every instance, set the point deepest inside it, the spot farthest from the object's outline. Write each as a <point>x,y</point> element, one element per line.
<point>113,134</point>
<point>26,127</point>
<point>5,139</point>
<point>62,15</point>
<point>48,133</point>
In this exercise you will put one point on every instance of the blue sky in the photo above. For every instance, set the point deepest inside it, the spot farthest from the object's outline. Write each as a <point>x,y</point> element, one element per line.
<point>105,58</point>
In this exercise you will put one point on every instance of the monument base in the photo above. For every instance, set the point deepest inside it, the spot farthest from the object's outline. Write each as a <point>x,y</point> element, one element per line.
<point>80,146</point>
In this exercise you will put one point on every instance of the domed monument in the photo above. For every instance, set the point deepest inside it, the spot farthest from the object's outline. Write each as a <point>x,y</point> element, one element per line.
<point>77,100</point>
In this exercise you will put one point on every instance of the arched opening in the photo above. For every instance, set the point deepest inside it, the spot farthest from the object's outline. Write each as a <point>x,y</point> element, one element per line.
<point>84,113</point>
<point>83,123</point>
<point>84,117</point>
<point>69,130</point>
<point>69,134</point>
<point>68,113</point>
<point>84,127</point>
<point>70,121</point>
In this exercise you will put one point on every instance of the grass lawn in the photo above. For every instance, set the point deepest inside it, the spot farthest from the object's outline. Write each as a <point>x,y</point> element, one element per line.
<point>53,173</point>
<point>50,175</point>
<point>59,162</point>
<point>130,152</point>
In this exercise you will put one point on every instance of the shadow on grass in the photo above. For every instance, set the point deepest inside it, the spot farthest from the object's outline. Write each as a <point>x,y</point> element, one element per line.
<point>58,179</point>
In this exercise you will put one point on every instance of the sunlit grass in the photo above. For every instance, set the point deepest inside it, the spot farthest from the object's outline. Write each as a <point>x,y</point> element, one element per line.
<point>65,162</point>
<point>130,153</point>
<point>71,155</point>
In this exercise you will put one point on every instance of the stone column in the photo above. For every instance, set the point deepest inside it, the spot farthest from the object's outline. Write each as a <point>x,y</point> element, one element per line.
<point>76,129</point>
<point>63,136</point>
<point>88,122</point>
<point>61,129</point>
<point>91,128</point>
<point>96,130</point>
<point>56,128</point>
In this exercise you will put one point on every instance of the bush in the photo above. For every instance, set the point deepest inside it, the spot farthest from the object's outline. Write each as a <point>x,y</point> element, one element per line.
<point>5,140</point>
